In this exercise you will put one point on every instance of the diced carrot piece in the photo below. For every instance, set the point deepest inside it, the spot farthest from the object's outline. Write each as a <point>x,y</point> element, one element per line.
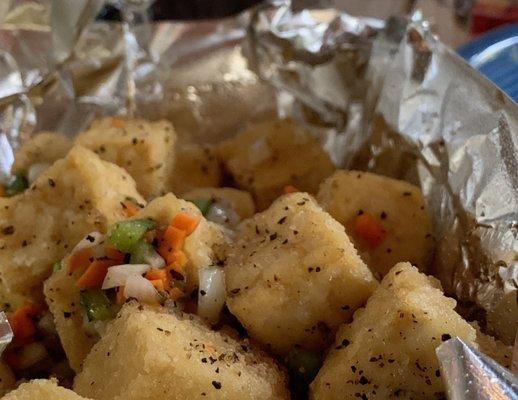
<point>22,323</point>
<point>119,296</point>
<point>158,284</point>
<point>369,229</point>
<point>175,293</point>
<point>185,222</point>
<point>130,207</point>
<point>118,122</point>
<point>173,240</point>
<point>113,254</point>
<point>95,273</point>
<point>79,260</point>
<point>175,237</point>
<point>156,273</point>
<point>176,262</point>
<point>290,189</point>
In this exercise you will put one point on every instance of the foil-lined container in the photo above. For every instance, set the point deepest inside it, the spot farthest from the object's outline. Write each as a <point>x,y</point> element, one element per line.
<point>380,94</point>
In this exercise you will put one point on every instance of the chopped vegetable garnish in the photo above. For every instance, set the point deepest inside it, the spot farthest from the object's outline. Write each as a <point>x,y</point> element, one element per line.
<point>185,222</point>
<point>79,260</point>
<point>97,305</point>
<point>22,323</point>
<point>176,294</point>
<point>290,189</point>
<point>159,278</point>
<point>130,207</point>
<point>125,234</point>
<point>158,284</point>
<point>141,252</point>
<point>202,204</point>
<point>172,241</point>
<point>114,254</point>
<point>303,366</point>
<point>177,261</point>
<point>369,229</point>
<point>95,274</point>
<point>58,265</point>
<point>18,184</point>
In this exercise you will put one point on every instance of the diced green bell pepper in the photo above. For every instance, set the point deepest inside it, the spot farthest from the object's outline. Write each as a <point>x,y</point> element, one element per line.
<point>202,204</point>
<point>125,234</point>
<point>97,305</point>
<point>141,251</point>
<point>18,184</point>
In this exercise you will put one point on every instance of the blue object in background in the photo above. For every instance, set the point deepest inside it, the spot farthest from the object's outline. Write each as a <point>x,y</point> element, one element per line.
<point>495,54</point>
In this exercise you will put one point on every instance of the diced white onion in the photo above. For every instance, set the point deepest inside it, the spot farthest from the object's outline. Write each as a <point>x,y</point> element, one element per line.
<point>212,293</point>
<point>119,274</point>
<point>154,259</point>
<point>93,239</point>
<point>222,214</point>
<point>141,289</point>
<point>36,170</point>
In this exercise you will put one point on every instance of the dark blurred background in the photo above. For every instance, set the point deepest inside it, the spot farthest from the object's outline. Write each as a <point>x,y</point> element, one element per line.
<point>190,9</point>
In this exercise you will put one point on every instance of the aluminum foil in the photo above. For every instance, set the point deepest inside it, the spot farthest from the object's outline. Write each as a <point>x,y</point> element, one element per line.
<point>472,375</point>
<point>380,94</point>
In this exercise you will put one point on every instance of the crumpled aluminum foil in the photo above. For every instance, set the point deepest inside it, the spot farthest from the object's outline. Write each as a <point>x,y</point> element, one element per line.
<point>6,333</point>
<point>380,94</point>
<point>472,375</point>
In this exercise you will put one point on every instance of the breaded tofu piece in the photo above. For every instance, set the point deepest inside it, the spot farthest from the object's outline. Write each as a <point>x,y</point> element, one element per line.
<point>293,276</point>
<point>7,379</point>
<point>397,206</point>
<point>239,201</point>
<point>196,166</point>
<point>42,389</point>
<point>63,295</point>
<point>143,148</point>
<point>388,351</point>
<point>44,148</point>
<point>75,196</point>
<point>268,156</point>
<point>151,354</point>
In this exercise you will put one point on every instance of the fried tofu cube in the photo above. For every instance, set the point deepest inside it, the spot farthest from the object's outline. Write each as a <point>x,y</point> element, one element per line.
<point>7,379</point>
<point>40,389</point>
<point>293,276</point>
<point>75,196</point>
<point>44,148</point>
<point>388,351</point>
<point>268,156</point>
<point>196,166</point>
<point>362,201</point>
<point>145,149</point>
<point>153,354</point>
<point>238,203</point>
<point>63,295</point>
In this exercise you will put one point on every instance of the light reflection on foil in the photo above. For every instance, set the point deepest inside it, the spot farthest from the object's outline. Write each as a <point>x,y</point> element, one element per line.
<point>471,375</point>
